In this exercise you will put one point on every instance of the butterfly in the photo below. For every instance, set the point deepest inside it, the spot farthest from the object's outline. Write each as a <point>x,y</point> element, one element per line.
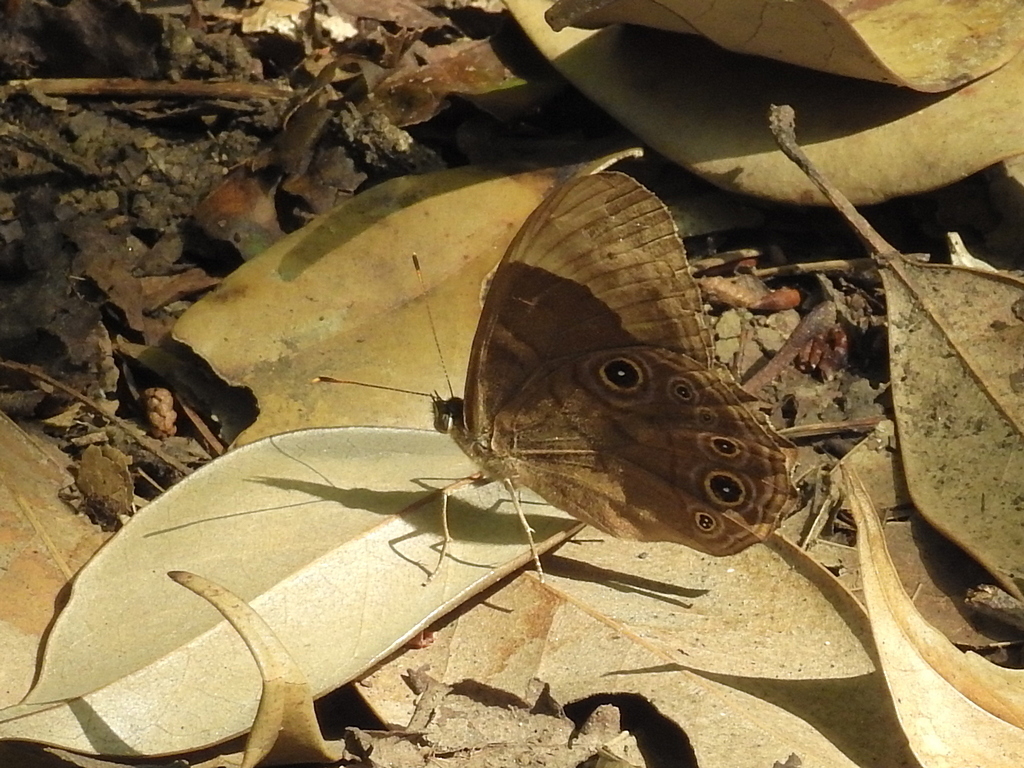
<point>591,380</point>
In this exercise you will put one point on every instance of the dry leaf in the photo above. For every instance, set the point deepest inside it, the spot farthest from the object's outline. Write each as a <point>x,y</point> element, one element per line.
<point>106,484</point>
<point>956,708</point>
<point>285,729</point>
<point>340,298</point>
<point>928,46</point>
<point>42,542</point>
<point>303,527</point>
<point>958,390</point>
<point>414,94</point>
<point>755,656</point>
<point>933,569</point>
<point>703,107</point>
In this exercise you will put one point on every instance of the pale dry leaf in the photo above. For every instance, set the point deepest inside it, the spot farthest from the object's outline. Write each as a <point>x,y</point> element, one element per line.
<point>927,46</point>
<point>958,395</point>
<point>320,532</point>
<point>340,298</point>
<point>704,107</point>
<point>755,656</point>
<point>960,255</point>
<point>956,709</point>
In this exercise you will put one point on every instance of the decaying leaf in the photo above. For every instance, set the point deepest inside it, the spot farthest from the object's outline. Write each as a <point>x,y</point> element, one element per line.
<point>328,534</point>
<point>106,484</point>
<point>955,708</point>
<point>414,94</point>
<point>958,394</point>
<point>703,107</point>
<point>927,46</point>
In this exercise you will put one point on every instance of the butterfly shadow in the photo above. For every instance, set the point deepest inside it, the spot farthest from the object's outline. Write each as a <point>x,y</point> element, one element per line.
<point>467,522</point>
<point>626,583</point>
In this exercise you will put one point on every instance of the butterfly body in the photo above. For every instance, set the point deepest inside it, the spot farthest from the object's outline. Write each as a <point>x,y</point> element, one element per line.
<point>591,380</point>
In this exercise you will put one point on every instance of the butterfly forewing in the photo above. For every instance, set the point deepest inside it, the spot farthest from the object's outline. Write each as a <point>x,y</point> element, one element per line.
<point>623,280</point>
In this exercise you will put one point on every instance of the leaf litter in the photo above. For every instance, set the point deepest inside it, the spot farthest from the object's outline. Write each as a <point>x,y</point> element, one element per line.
<point>384,148</point>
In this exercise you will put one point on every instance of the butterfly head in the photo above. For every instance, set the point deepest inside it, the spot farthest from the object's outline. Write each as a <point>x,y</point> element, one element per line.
<point>448,414</point>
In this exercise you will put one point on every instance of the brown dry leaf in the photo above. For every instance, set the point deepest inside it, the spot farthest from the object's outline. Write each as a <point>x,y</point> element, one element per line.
<point>755,656</point>
<point>328,534</point>
<point>282,17</point>
<point>414,94</point>
<point>956,709</point>
<point>703,107</point>
<point>479,726</point>
<point>955,341</point>
<point>340,298</point>
<point>924,45</point>
<point>41,544</point>
<point>404,13</point>
<point>105,480</point>
<point>241,210</point>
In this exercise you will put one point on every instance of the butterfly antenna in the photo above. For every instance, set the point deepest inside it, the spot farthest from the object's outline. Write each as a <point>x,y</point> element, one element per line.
<point>332,380</point>
<point>433,328</point>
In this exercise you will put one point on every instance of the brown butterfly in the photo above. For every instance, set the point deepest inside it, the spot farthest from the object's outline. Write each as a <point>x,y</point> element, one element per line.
<point>591,380</point>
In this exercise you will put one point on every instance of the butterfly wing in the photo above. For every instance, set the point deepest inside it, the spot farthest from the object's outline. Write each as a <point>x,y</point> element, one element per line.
<point>622,279</point>
<point>673,456</point>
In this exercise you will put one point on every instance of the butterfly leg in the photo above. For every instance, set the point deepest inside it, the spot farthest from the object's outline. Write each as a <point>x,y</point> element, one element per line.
<point>446,493</point>
<point>514,493</point>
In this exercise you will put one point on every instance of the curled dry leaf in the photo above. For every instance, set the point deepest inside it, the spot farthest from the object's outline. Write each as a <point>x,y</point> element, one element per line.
<point>285,727</point>
<point>328,534</point>
<point>958,394</point>
<point>932,46</point>
<point>956,709</point>
<point>703,107</point>
<point>753,656</point>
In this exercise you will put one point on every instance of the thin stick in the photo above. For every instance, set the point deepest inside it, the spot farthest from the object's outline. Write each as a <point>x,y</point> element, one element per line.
<point>782,121</point>
<point>123,87</point>
<point>842,266</point>
<point>150,444</point>
<point>832,428</point>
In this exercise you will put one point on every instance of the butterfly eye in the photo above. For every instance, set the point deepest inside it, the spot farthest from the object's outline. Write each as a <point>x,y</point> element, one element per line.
<point>724,446</point>
<point>706,522</point>
<point>725,488</point>
<point>621,374</point>
<point>447,414</point>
